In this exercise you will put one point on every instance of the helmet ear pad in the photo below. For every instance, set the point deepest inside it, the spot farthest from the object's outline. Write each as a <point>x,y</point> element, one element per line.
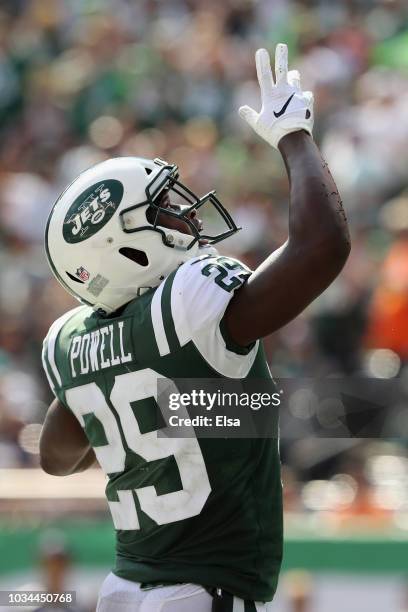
<point>139,259</point>
<point>135,255</point>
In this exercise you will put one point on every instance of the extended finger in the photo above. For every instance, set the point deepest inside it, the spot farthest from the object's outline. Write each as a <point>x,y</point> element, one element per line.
<point>248,113</point>
<point>309,96</point>
<point>281,63</point>
<point>264,72</point>
<point>294,78</point>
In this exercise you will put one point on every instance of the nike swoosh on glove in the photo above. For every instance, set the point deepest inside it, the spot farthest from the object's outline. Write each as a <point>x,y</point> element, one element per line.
<point>285,107</point>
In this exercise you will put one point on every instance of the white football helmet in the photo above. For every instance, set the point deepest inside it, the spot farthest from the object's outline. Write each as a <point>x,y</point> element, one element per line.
<point>102,239</point>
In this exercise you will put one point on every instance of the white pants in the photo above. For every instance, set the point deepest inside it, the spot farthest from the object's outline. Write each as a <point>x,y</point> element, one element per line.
<point>119,595</point>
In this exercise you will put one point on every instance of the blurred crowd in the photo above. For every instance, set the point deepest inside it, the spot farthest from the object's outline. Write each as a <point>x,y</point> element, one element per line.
<point>85,80</point>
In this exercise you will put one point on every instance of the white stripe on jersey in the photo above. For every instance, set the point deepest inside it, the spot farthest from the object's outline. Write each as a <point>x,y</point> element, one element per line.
<point>157,320</point>
<point>177,309</point>
<point>45,367</point>
<point>51,339</point>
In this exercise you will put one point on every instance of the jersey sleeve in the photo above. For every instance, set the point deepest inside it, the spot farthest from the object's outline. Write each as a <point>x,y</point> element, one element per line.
<point>48,355</point>
<point>200,293</point>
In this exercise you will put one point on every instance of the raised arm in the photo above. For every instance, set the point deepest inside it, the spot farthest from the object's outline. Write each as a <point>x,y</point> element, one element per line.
<point>318,244</point>
<point>64,447</point>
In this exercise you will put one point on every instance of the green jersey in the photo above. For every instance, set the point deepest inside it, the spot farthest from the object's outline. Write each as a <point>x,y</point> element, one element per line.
<point>207,511</point>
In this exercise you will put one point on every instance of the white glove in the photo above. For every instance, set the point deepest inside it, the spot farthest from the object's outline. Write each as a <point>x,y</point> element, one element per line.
<point>285,107</point>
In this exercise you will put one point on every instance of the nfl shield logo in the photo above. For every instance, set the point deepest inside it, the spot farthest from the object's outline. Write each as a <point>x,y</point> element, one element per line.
<point>82,274</point>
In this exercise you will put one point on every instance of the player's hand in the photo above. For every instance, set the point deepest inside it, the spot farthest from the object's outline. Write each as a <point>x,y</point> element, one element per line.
<point>285,107</point>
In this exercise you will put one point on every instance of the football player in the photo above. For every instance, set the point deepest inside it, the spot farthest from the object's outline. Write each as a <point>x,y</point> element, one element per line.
<point>198,522</point>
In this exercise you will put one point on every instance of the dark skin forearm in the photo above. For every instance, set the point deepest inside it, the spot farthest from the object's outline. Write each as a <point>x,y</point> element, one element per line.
<point>314,254</point>
<point>64,447</point>
<point>315,212</point>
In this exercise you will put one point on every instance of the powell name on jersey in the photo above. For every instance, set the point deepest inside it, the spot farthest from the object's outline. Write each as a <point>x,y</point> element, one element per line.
<point>206,511</point>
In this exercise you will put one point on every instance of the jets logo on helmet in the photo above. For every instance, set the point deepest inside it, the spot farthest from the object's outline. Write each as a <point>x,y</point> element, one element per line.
<point>91,210</point>
<point>109,217</point>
